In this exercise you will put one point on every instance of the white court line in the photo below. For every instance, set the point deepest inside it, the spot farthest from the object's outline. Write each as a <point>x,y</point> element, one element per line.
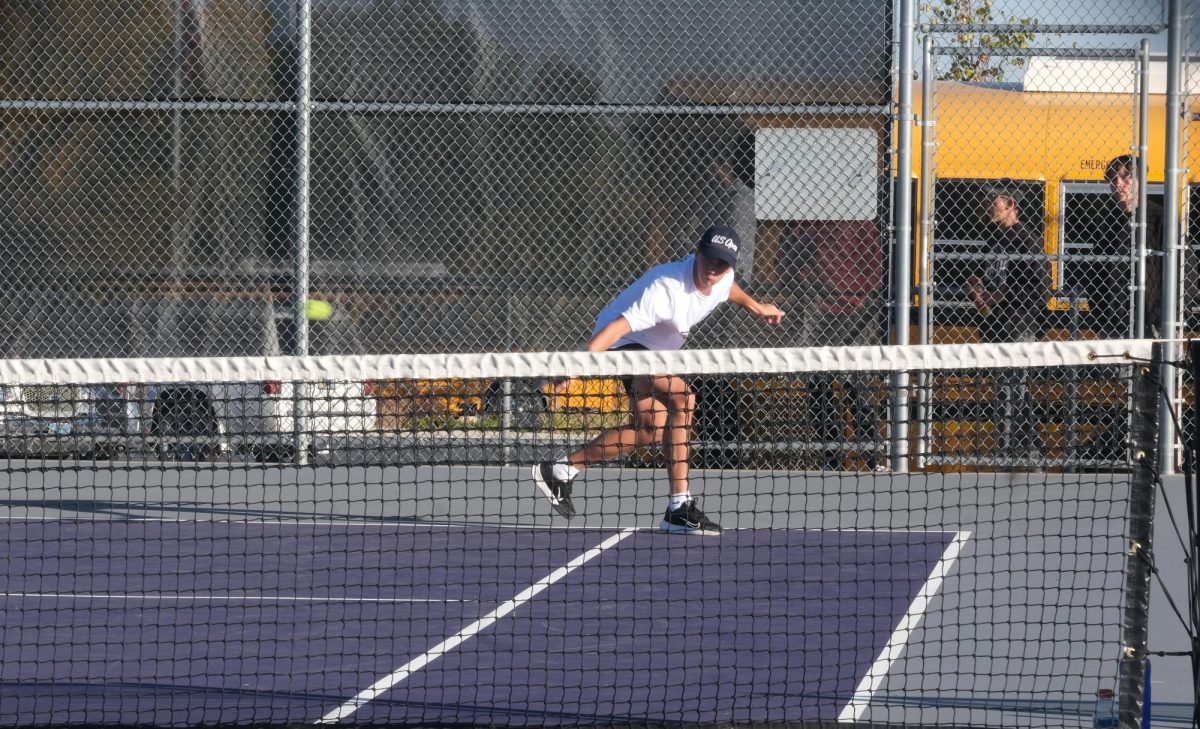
<point>895,646</point>
<point>219,598</point>
<point>441,649</point>
<point>331,523</point>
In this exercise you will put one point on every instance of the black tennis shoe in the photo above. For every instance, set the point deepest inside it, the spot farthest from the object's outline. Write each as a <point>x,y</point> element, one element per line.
<point>556,490</point>
<point>688,519</point>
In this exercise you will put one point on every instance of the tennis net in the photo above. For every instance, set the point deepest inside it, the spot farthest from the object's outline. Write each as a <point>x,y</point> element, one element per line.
<point>907,536</point>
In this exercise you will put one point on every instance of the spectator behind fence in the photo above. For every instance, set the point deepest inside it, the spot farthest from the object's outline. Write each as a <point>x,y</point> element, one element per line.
<point>837,267</point>
<point>1010,295</point>
<point>1112,303</point>
<point>707,169</point>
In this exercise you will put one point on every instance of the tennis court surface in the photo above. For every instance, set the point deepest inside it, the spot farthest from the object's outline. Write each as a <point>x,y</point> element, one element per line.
<point>417,576</point>
<point>204,622</point>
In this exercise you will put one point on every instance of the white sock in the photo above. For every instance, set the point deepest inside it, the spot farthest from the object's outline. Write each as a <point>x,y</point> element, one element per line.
<point>678,500</point>
<point>563,470</point>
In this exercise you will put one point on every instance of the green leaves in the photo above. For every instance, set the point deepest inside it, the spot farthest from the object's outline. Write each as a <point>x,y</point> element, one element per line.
<point>975,60</point>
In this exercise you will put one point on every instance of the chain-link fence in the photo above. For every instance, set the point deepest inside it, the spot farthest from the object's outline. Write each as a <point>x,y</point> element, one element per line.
<point>1028,233</point>
<point>453,176</point>
<point>1041,187</point>
<point>486,177</point>
<point>182,177</point>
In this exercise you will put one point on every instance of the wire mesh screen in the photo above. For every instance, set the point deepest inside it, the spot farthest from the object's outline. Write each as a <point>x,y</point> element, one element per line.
<point>1031,216</point>
<point>443,559</point>
<point>220,192</point>
<point>470,177</point>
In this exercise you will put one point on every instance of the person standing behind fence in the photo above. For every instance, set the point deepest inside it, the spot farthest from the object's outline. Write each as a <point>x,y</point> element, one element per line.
<point>1010,297</point>
<point>1112,305</point>
<point>837,265</point>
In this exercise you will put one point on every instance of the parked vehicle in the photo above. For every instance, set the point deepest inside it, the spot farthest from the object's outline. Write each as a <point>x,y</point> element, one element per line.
<point>59,419</point>
<point>260,419</point>
<point>186,421</point>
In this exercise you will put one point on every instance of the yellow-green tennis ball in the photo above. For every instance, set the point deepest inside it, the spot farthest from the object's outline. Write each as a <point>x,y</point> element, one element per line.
<point>317,310</point>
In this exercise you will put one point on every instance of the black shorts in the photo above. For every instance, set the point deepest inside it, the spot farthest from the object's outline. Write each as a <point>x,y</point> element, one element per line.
<point>627,382</point>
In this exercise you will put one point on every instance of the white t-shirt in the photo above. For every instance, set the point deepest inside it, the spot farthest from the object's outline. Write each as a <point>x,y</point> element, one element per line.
<point>663,305</point>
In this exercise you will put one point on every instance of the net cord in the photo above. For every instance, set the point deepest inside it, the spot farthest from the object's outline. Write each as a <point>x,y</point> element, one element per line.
<point>352,368</point>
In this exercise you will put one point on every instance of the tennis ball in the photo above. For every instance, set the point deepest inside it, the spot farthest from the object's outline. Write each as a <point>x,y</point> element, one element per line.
<point>317,310</point>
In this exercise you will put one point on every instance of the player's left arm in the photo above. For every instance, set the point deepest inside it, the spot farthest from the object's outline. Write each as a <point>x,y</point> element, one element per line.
<point>609,335</point>
<point>769,313</point>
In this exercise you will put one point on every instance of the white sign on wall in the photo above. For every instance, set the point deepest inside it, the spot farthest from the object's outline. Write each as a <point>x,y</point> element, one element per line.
<point>815,174</point>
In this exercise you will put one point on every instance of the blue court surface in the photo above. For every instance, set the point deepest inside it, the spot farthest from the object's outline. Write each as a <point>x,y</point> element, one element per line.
<point>204,622</point>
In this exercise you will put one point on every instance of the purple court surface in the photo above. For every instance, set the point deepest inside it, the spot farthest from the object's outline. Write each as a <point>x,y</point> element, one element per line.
<point>205,622</point>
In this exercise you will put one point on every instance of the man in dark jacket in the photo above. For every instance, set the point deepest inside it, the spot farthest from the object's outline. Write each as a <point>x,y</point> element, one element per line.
<point>1011,299</point>
<point>1112,305</point>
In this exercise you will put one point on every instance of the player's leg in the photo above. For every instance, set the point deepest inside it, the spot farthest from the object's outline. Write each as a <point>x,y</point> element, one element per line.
<point>680,402</point>
<point>683,514</point>
<point>647,418</point>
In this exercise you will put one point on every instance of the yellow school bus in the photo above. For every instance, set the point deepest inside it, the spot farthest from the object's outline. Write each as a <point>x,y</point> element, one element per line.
<point>1052,145</point>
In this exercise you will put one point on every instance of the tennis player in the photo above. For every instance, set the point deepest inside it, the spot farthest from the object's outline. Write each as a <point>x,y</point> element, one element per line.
<point>657,312</point>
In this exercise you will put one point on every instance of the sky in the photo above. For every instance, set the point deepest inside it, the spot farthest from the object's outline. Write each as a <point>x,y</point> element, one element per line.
<point>1096,13</point>
<point>1116,12</point>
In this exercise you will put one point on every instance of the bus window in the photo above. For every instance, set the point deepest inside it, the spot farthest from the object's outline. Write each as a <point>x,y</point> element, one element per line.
<point>961,226</point>
<point>1190,312</point>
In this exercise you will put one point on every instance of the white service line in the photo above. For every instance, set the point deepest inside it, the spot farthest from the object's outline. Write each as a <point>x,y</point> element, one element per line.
<point>895,646</point>
<point>387,682</point>
<point>215,598</point>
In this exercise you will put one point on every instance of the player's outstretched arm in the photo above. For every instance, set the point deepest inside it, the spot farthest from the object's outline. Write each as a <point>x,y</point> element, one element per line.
<point>609,335</point>
<point>769,313</point>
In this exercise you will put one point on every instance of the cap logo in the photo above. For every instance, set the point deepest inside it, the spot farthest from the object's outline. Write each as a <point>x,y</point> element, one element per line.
<point>724,242</point>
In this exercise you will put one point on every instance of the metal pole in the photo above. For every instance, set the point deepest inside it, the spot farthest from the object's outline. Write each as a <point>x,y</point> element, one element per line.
<point>1140,218</point>
<point>1141,258</point>
<point>925,201</point>
<point>902,241</point>
<point>1192,500</point>
<point>1171,239</point>
<point>300,253</point>
<point>1144,483</point>
<point>177,246</point>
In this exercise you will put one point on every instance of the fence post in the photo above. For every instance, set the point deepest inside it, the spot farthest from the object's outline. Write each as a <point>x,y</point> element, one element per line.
<point>902,240</point>
<point>924,266</point>
<point>1169,324</point>
<point>300,252</point>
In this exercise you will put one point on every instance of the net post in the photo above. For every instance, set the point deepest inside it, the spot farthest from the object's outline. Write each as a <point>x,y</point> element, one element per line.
<point>1191,462</point>
<point>1139,558</point>
<point>1191,469</point>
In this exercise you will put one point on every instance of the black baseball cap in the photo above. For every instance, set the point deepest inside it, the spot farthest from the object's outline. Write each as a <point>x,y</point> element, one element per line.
<point>720,242</point>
